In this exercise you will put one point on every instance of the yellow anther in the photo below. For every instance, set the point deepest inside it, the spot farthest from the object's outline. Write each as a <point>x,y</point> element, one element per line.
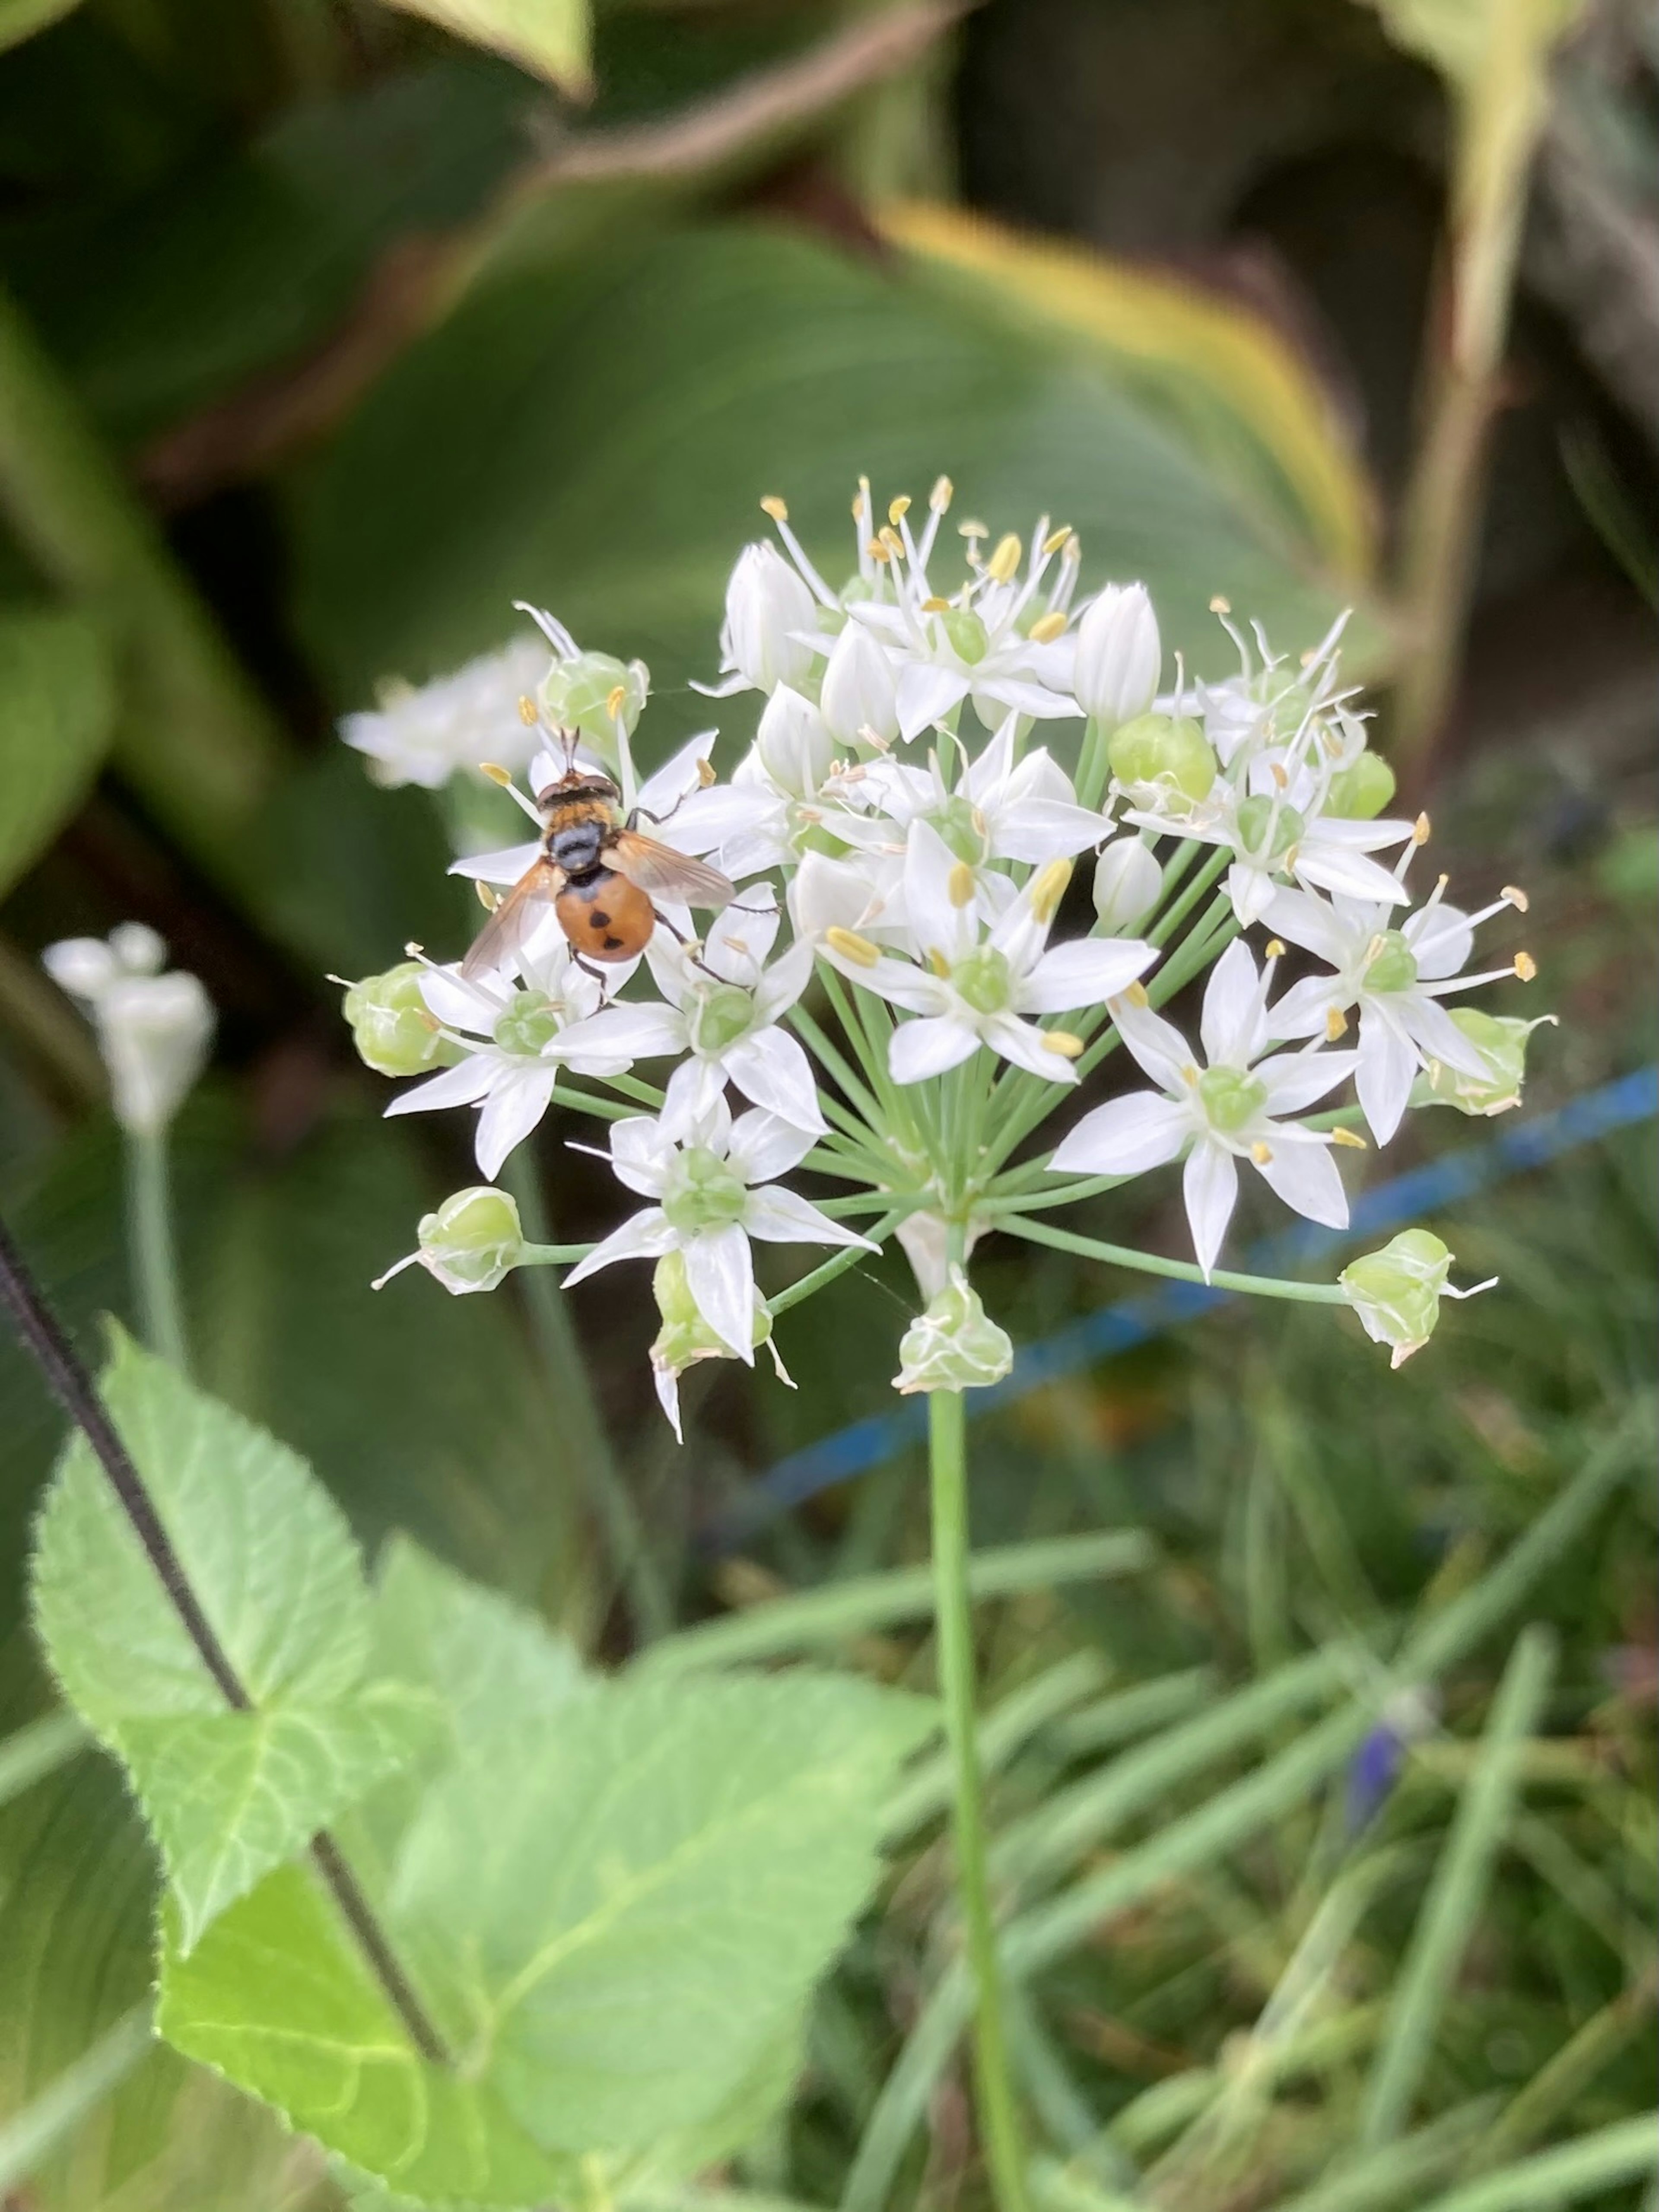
<point>851,947</point>
<point>1279,775</point>
<point>1048,888</point>
<point>898,509</point>
<point>429,1021</point>
<point>1525,966</point>
<point>1349,1139</point>
<point>1048,627</point>
<point>1261,1153</point>
<point>412,950</point>
<point>1221,606</point>
<point>938,962</point>
<point>774,506</point>
<point>1189,1074</point>
<point>1290,860</point>
<point>1306,658</point>
<point>1374,948</point>
<point>935,606</point>
<point>973,530</point>
<point>1004,564</point>
<point>1420,831</point>
<point>1274,950</point>
<point>496,774</point>
<point>959,885</point>
<point>1062,1042</point>
<point>860,512</point>
<point>1516,897</point>
<point>487,899</point>
<point>1136,994</point>
<point>892,541</point>
<point>976,816</point>
<point>615,699</point>
<point>705,774</point>
<point>1056,539</point>
<point>877,551</point>
<point>1336,1024</point>
<point>942,493</point>
<point>529,713</point>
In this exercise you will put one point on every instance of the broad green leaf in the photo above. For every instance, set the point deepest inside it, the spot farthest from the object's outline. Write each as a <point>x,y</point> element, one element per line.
<point>229,1793</point>
<point>1460,37</point>
<point>630,1903</point>
<point>21,18</point>
<point>276,1997</point>
<point>553,38</point>
<point>57,708</point>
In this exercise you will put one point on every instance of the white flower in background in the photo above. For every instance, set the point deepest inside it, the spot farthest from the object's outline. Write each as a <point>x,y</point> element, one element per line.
<point>722,1007</point>
<point>472,1243</point>
<point>1119,657</point>
<point>713,1188</point>
<point>1396,1292</point>
<point>424,736</point>
<point>976,987</point>
<point>154,1031</point>
<point>1218,1115</point>
<point>770,613</point>
<point>1394,973</point>
<point>512,1042</point>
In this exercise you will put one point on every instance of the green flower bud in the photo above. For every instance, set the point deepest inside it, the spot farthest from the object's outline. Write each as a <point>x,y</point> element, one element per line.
<point>1500,1040</point>
<point>473,1241</point>
<point>685,1337</point>
<point>392,1026</point>
<point>953,1346</point>
<point>1164,749</point>
<point>579,694</point>
<point>1396,1292</point>
<point>1360,792</point>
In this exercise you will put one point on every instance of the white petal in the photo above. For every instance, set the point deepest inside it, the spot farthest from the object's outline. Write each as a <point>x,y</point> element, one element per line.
<point>1388,1068</point>
<point>677,779</point>
<point>1351,873</point>
<point>644,1235</point>
<point>1157,1045</point>
<point>925,695</point>
<point>1035,699</point>
<point>1441,939</point>
<point>1294,1080</point>
<point>1084,974</point>
<point>1251,890</point>
<point>985,780</point>
<point>764,1145</point>
<point>464,1084</point>
<point>668,1397</point>
<point>782,983</point>
<point>771,1070</point>
<point>1313,924</point>
<point>1232,1026</point>
<point>1434,1032</point>
<point>780,1216</point>
<point>1304,1010</point>
<point>1210,1186</point>
<point>1306,1178</point>
<point>719,1274</point>
<point>516,1103</point>
<point>694,1090</point>
<point>461,1005</point>
<point>642,1032</point>
<point>738,945</point>
<point>504,867</point>
<point>898,981</point>
<point>936,923</point>
<point>1021,1042</point>
<point>930,1045</point>
<point>1125,1137</point>
<point>1041,830</point>
<point>641,1152</point>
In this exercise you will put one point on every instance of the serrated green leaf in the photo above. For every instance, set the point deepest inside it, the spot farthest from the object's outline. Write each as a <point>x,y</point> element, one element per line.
<point>56,710</point>
<point>551,37</point>
<point>229,1795</point>
<point>276,1997</point>
<point>614,1915</point>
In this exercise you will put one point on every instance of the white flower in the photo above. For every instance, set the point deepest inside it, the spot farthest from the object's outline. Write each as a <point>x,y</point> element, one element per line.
<point>1128,881</point>
<point>1271,839</point>
<point>793,743</point>
<point>723,1005</point>
<point>861,690</point>
<point>769,609</point>
<point>1395,973</point>
<point>711,1184</point>
<point>976,987</point>
<point>1219,1114</point>
<point>1119,656</point>
<point>659,801</point>
<point>154,1031</point>
<point>455,721</point>
<point>862,892</point>
<point>512,1042</point>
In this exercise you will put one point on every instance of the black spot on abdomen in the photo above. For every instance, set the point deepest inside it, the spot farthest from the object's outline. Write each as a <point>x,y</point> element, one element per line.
<point>602,922</point>
<point>611,944</point>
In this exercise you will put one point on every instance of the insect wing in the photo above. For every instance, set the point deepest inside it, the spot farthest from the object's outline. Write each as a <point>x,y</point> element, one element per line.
<point>504,933</point>
<point>665,873</point>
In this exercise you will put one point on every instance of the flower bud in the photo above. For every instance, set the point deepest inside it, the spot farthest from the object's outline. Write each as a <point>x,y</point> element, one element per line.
<point>1359,793</point>
<point>154,1031</point>
<point>1500,1042</point>
<point>473,1242</point>
<point>392,1026</point>
<point>794,745</point>
<point>766,603</point>
<point>1163,750</point>
<point>685,1337</point>
<point>582,694</point>
<point>1120,655</point>
<point>1128,881</point>
<point>1396,1292</point>
<point>953,1346</point>
<point>860,691</point>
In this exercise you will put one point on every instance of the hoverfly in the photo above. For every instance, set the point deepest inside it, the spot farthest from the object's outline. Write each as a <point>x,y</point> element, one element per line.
<point>598,873</point>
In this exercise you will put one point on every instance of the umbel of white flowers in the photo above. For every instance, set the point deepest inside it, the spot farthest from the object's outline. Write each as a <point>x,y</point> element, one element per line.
<point>907,983</point>
<point>154,1030</point>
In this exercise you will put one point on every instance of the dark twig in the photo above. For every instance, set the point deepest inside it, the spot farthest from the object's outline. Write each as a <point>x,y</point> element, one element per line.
<point>75,1391</point>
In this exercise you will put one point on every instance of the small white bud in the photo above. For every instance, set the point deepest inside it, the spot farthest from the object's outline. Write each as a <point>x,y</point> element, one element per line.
<point>766,603</point>
<point>795,748</point>
<point>1128,881</point>
<point>1120,655</point>
<point>860,691</point>
<point>154,1031</point>
<point>953,1346</point>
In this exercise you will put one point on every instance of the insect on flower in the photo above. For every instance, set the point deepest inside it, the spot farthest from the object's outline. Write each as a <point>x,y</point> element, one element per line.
<point>601,876</point>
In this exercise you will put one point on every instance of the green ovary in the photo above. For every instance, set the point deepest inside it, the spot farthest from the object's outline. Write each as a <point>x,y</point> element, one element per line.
<point>956,825</point>
<point>983,980</point>
<point>703,1193</point>
<point>1230,1097</point>
<point>1268,829</point>
<point>1392,966</point>
<point>967,635</point>
<point>529,1024</point>
<point>722,1017</point>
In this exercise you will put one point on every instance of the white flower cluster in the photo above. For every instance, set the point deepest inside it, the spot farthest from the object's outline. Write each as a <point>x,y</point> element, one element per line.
<point>898,993</point>
<point>154,1028</point>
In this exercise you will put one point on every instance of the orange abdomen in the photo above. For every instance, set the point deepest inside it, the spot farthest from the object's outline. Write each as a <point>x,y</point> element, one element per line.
<point>605,916</point>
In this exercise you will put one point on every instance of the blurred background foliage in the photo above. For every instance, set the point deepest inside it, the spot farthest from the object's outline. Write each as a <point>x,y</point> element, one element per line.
<point>328,330</point>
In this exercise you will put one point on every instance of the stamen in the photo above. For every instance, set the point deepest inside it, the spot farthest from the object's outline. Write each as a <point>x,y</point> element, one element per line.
<point>1004,564</point>
<point>1274,949</point>
<point>489,897</point>
<point>942,493</point>
<point>936,606</point>
<point>1063,1042</point>
<point>851,947</point>
<point>776,507</point>
<point>1048,888</point>
<point>1261,1153</point>
<point>1136,994</point>
<point>496,774</point>
<point>615,700</point>
<point>1420,831</point>
<point>1525,966</point>
<point>973,530</point>
<point>1349,1139</point>
<point>892,541</point>
<point>1279,775</point>
<point>529,712</point>
<point>878,551</point>
<point>938,962</point>
<point>705,774</point>
<point>1516,897</point>
<point>1056,539</point>
<point>898,509</point>
<point>1221,606</point>
<point>1336,1024</point>
<point>959,886</point>
<point>414,951</point>
<point>1046,628</point>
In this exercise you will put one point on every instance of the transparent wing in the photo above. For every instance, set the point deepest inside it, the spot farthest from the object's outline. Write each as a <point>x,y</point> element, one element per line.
<point>505,931</point>
<point>662,872</point>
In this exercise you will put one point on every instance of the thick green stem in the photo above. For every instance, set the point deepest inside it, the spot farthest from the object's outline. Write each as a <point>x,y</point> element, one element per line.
<point>998,2114</point>
<point>151,1254</point>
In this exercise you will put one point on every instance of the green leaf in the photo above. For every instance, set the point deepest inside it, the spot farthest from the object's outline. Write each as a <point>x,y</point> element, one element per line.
<point>229,1795</point>
<point>57,709</point>
<point>21,18</point>
<point>551,37</point>
<point>1458,37</point>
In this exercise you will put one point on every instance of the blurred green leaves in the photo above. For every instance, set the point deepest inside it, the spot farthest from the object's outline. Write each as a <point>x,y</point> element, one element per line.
<point>56,710</point>
<point>21,18</point>
<point>551,37</point>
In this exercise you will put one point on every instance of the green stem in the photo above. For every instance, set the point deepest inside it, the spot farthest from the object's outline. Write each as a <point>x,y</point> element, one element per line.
<point>998,2114</point>
<point>1180,1271</point>
<point>150,1251</point>
<point>587,1445</point>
